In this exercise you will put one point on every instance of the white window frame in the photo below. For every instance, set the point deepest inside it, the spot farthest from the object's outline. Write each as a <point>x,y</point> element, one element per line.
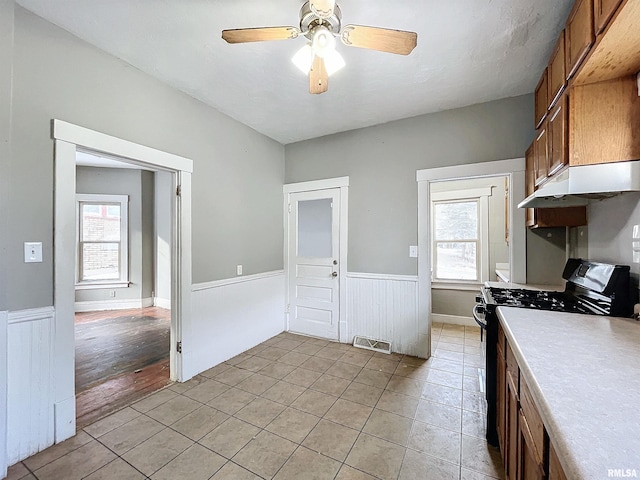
<point>481,195</point>
<point>123,281</point>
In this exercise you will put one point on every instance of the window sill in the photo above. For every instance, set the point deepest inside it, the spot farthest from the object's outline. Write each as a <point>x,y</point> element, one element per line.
<point>470,287</point>
<point>98,285</point>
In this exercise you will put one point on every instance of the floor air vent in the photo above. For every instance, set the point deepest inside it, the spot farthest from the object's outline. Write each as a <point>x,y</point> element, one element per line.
<point>370,344</point>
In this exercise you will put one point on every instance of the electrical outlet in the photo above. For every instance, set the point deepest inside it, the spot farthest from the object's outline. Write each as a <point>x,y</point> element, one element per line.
<point>32,252</point>
<point>413,251</point>
<point>239,270</point>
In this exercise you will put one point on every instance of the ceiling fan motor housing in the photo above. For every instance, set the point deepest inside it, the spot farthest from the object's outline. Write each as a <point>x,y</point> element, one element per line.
<point>309,20</point>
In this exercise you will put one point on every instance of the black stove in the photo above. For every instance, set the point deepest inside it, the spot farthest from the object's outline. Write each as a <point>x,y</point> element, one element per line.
<point>592,288</point>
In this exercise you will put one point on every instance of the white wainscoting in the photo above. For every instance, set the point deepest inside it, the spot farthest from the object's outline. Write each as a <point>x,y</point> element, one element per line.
<point>232,316</point>
<point>3,394</point>
<point>30,399</point>
<point>385,307</point>
<point>116,304</point>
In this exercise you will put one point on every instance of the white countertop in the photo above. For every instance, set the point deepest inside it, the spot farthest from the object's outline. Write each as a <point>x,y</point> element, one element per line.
<point>584,374</point>
<point>530,286</point>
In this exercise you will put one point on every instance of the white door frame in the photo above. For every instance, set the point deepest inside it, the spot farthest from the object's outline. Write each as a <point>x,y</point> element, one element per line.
<point>67,137</point>
<point>515,170</point>
<point>343,184</point>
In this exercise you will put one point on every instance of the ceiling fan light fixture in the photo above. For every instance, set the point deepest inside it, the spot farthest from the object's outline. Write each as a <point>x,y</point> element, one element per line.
<point>323,42</point>
<point>303,59</point>
<point>333,62</point>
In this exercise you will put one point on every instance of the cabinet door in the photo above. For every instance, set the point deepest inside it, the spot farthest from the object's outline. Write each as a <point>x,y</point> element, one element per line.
<point>511,416</point>
<point>530,182</point>
<point>555,469</point>
<point>502,401</point>
<point>603,10</point>
<point>530,463</point>
<point>541,154</point>
<point>558,136</point>
<point>579,34</point>
<point>557,77</point>
<point>542,98</point>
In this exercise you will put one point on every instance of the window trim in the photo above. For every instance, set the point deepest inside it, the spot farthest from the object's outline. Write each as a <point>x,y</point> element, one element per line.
<point>481,195</point>
<point>123,281</point>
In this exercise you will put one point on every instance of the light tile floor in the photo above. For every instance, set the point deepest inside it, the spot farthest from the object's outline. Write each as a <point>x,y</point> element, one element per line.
<point>297,408</point>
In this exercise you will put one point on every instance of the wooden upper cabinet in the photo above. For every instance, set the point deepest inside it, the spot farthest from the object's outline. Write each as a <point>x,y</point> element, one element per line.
<point>557,70</point>
<point>542,98</point>
<point>579,35</point>
<point>541,154</point>
<point>530,183</point>
<point>604,121</point>
<point>558,136</point>
<point>603,10</point>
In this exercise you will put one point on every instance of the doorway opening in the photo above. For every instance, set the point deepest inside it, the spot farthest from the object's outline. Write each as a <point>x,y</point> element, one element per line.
<point>176,173</point>
<point>123,284</point>
<point>455,260</point>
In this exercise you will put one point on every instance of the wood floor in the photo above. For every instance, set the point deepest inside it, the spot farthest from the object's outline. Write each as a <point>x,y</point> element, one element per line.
<point>121,356</point>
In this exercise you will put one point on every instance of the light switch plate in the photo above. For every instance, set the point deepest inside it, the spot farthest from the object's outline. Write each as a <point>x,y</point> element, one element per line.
<point>636,231</point>
<point>413,251</point>
<point>32,252</point>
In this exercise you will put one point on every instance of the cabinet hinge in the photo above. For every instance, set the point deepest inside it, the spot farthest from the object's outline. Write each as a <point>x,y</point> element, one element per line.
<point>288,308</point>
<point>179,347</point>
<point>179,190</point>
<point>289,208</point>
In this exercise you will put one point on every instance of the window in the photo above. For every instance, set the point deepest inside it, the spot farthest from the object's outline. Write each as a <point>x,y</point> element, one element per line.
<point>102,251</point>
<point>456,238</point>
<point>458,234</point>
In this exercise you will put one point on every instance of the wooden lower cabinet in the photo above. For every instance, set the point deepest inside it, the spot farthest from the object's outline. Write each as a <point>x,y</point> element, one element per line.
<point>526,450</point>
<point>555,469</point>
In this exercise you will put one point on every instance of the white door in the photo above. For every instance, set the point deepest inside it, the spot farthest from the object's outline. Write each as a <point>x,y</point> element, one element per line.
<point>314,263</point>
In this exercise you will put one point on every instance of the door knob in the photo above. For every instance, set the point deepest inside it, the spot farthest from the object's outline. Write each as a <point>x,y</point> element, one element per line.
<point>334,274</point>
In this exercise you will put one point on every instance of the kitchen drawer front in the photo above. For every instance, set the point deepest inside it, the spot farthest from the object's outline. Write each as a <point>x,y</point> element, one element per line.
<point>534,420</point>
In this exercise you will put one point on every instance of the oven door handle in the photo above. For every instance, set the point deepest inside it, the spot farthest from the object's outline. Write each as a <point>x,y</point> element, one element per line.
<point>479,315</point>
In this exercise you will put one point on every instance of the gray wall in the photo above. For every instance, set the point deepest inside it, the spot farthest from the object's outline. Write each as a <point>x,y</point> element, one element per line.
<point>238,173</point>
<point>382,162</point>
<point>138,185</point>
<point>163,200</point>
<point>546,256</point>
<point>611,224</point>
<point>6,53</point>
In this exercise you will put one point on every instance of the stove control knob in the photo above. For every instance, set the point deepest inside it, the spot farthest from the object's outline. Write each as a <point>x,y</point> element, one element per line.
<point>479,299</point>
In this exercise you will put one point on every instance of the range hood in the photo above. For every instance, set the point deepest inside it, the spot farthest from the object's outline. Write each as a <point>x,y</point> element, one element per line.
<point>575,186</point>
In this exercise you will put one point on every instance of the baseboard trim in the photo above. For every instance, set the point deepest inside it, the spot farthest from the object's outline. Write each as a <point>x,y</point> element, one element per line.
<point>196,287</point>
<point>162,303</point>
<point>30,315</point>
<point>99,305</point>
<point>453,320</point>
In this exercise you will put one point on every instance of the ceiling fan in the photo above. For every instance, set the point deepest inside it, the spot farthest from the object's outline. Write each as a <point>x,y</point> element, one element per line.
<point>320,23</point>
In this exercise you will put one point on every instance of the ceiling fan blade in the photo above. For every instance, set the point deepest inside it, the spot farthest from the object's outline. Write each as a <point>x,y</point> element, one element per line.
<point>381,39</point>
<point>263,34</point>
<point>318,77</point>
<point>322,8</point>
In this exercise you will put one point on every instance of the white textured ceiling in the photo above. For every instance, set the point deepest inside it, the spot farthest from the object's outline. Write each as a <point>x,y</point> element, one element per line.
<point>469,51</point>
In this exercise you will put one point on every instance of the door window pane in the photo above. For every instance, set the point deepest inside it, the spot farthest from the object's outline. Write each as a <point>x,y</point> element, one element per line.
<point>315,228</point>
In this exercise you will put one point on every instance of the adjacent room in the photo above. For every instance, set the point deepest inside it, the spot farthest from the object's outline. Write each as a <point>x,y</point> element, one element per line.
<point>329,240</point>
